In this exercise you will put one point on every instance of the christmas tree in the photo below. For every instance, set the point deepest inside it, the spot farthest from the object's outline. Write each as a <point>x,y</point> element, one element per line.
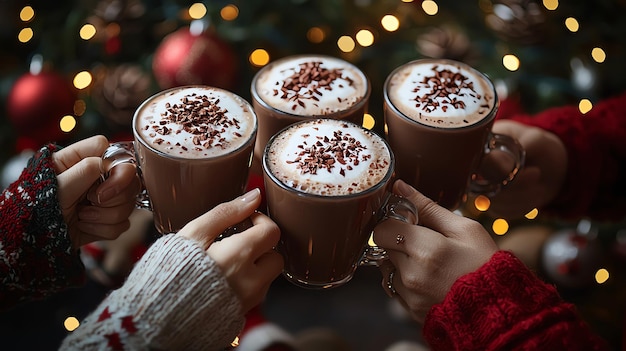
<point>72,69</point>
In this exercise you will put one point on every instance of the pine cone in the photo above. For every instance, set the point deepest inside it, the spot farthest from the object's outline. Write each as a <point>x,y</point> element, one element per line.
<point>118,91</point>
<point>447,42</point>
<point>518,21</point>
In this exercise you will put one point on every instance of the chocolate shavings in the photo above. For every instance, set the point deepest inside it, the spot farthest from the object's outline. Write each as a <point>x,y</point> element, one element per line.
<point>201,116</point>
<point>308,83</point>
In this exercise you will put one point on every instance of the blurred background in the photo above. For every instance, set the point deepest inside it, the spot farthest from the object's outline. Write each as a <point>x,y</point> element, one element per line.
<point>72,69</point>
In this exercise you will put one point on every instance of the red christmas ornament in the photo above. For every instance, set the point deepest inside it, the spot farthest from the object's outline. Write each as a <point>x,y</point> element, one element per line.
<point>184,58</point>
<point>36,104</point>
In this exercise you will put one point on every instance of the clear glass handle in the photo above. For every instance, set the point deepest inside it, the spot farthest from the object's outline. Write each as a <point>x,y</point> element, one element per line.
<point>485,181</point>
<point>124,152</point>
<point>395,207</point>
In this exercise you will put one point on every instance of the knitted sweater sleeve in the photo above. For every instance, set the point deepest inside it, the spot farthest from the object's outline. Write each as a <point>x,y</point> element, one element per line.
<point>490,310</point>
<point>596,147</point>
<point>36,255</point>
<point>174,299</point>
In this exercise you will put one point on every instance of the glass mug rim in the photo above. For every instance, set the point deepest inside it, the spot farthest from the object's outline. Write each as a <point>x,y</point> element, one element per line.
<point>487,119</point>
<point>256,97</point>
<point>162,154</point>
<point>383,181</point>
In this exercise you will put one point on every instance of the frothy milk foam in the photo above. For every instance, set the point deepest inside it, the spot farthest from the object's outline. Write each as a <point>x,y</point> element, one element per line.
<point>196,122</point>
<point>328,157</point>
<point>311,85</point>
<point>441,94</point>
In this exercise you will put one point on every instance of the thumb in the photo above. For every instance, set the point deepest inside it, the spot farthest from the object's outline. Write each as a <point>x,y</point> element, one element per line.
<point>65,158</point>
<point>75,181</point>
<point>430,214</point>
<point>78,167</point>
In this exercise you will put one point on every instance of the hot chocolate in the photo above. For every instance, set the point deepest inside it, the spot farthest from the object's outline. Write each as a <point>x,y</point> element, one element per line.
<point>326,183</point>
<point>195,122</point>
<point>194,146</point>
<point>328,158</point>
<point>439,115</point>
<point>311,85</point>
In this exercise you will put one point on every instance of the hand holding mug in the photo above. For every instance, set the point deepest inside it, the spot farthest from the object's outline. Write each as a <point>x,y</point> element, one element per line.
<point>93,211</point>
<point>327,185</point>
<point>426,259</point>
<point>247,259</point>
<point>193,147</point>
<point>542,177</point>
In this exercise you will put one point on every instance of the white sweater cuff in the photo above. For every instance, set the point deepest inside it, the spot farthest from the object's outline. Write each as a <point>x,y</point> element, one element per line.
<point>175,298</point>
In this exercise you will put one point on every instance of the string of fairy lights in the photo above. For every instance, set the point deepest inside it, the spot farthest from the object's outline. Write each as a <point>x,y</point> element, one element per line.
<point>346,43</point>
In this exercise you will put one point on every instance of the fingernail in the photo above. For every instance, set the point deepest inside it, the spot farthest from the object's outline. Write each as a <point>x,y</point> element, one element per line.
<point>404,189</point>
<point>251,195</point>
<point>106,195</point>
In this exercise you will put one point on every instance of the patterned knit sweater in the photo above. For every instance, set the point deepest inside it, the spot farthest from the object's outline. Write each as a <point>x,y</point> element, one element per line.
<point>36,255</point>
<point>175,298</point>
<point>490,310</point>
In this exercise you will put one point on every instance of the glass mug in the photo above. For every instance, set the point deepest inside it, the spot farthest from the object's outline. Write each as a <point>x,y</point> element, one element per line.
<point>438,115</point>
<point>327,185</point>
<point>193,148</point>
<point>299,87</point>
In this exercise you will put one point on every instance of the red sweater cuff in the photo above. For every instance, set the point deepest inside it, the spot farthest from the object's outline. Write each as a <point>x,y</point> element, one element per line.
<point>504,306</point>
<point>40,259</point>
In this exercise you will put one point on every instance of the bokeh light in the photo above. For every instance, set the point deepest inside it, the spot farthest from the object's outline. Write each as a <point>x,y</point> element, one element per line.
<point>27,13</point>
<point>315,35</point>
<point>585,106</point>
<point>87,31</point>
<point>25,35</point>
<point>598,55</point>
<point>572,24</point>
<point>197,10</point>
<point>602,275</point>
<point>511,62</point>
<point>482,203</point>
<point>390,23</point>
<point>500,226</point>
<point>235,342</point>
<point>346,43</point>
<point>532,214</point>
<point>371,242</point>
<point>368,121</point>
<point>82,80</point>
<point>67,123</point>
<point>71,323</point>
<point>365,37</point>
<point>430,7</point>
<point>551,4</point>
<point>259,57</point>
<point>229,12</point>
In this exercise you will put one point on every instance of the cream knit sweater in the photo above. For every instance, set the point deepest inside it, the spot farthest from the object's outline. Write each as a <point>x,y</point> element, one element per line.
<point>175,298</point>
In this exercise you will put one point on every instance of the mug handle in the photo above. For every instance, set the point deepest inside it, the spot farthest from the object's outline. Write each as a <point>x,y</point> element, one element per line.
<point>119,153</point>
<point>395,207</point>
<point>480,181</point>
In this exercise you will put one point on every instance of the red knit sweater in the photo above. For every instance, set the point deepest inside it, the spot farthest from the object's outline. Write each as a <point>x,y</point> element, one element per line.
<point>36,255</point>
<point>503,305</point>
